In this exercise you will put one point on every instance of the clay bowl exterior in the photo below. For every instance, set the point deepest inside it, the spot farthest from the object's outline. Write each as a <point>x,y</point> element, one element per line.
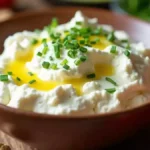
<point>47,132</point>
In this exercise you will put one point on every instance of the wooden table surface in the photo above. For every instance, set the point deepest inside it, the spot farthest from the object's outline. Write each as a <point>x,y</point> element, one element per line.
<point>140,141</point>
<point>14,144</point>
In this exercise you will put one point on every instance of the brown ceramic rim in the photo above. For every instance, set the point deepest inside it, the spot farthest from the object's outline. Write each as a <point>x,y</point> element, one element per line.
<point>35,115</point>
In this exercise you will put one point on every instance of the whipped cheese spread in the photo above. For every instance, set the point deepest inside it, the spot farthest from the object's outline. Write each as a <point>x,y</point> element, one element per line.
<point>77,68</point>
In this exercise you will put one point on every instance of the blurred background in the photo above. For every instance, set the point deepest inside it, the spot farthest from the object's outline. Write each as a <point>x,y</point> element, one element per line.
<point>137,8</point>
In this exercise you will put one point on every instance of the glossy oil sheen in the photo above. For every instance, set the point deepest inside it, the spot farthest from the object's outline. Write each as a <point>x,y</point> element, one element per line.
<point>19,69</point>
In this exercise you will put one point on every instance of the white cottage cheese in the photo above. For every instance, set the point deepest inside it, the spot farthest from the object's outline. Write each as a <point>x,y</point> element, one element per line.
<point>122,89</point>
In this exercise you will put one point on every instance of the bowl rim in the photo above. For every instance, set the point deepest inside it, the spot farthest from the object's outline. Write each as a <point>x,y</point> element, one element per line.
<point>87,8</point>
<point>19,112</point>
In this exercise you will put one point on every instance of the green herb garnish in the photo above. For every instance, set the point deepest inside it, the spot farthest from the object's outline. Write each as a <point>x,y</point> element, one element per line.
<point>39,54</point>
<point>34,41</point>
<point>64,62</point>
<point>4,78</point>
<point>92,75</point>
<point>53,66</point>
<point>111,37</point>
<point>93,42</point>
<point>111,81</point>
<point>32,81</point>
<point>18,79</point>
<point>128,46</point>
<point>72,53</point>
<point>66,67</point>
<point>83,58</point>
<point>97,31</point>
<point>30,73</point>
<point>37,31</point>
<point>57,50</point>
<point>78,23</point>
<point>45,64</point>
<point>82,41</point>
<point>77,62</point>
<point>54,23</point>
<point>45,49</point>
<point>44,41</point>
<point>127,53</point>
<point>83,49</point>
<point>111,90</point>
<point>10,73</point>
<point>97,39</point>
<point>51,58</point>
<point>113,49</point>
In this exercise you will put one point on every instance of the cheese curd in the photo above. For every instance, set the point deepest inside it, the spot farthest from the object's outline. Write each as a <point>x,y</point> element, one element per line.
<point>77,68</point>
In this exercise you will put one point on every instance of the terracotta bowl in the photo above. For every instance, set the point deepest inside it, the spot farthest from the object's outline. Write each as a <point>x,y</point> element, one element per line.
<point>65,132</point>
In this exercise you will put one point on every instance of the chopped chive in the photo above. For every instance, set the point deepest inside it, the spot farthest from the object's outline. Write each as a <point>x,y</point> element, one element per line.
<point>92,42</point>
<point>54,66</point>
<point>66,67</point>
<point>9,73</point>
<point>74,29</point>
<point>32,81</point>
<point>97,31</point>
<point>92,75</point>
<point>18,79</point>
<point>84,31</point>
<point>34,41</point>
<point>55,36</point>
<point>54,22</point>
<point>71,37</point>
<point>64,62</point>
<point>77,62</point>
<point>57,50</point>
<point>3,78</point>
<point>88,45</point>
<point>44,40</point>
<point>72,53</point>
<point>111,81</point>
<point>128,46</point>
<point>97,39</point>
<point>78,23</point>
<point>45,64</point>
<point>111,37</point>
<point>82,41</point>
<point>111,90</point>
<point>52,36</point>
<point>71,44</point>
<point>127,53</point>
<point>86,36</point>
<point>86,40</point>
<point>30,73</point>
<point>39,54</point>
<point>66,31</point>
<point>66,43</point>
<point>45,49</point>
<point>83,58</point>
<point>37,31</point>
<point>113,49</point>
<point>83,49</point>
<point>51,58</point>
<point>125,41</point>
<point>75,44</point>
